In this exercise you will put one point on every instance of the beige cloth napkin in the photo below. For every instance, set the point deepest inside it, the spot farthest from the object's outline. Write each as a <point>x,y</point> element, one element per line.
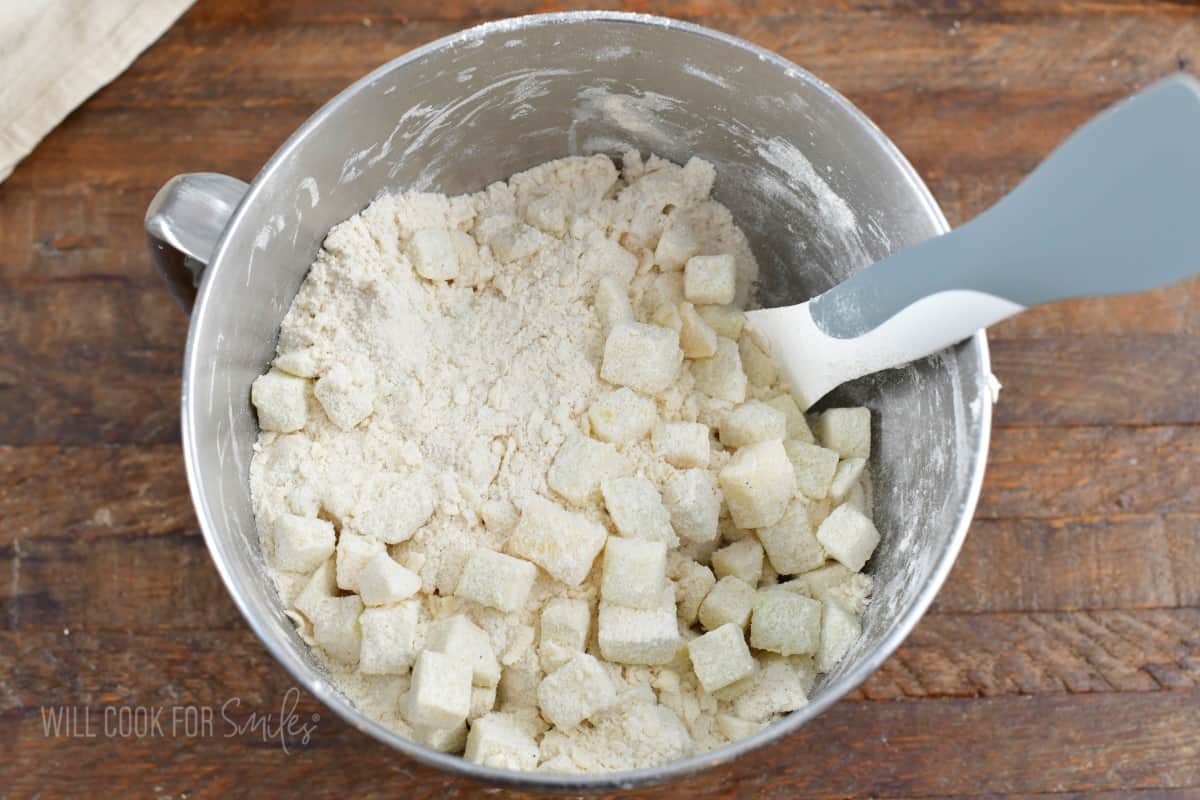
<point>55,53</point>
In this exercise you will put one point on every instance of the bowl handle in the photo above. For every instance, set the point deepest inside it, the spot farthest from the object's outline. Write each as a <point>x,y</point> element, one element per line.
<point>184,222</point>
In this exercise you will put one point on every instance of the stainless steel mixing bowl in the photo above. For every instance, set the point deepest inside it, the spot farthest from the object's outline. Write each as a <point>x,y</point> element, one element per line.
<point>819,190</point>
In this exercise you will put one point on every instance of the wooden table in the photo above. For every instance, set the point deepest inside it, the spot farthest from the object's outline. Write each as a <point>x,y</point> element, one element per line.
<point>1062,658</point>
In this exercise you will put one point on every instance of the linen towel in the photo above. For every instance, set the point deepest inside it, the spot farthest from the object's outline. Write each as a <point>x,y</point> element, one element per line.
<point>55,53</point>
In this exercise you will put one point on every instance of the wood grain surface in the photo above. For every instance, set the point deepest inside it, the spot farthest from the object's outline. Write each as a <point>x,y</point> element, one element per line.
<point>1061,660</point>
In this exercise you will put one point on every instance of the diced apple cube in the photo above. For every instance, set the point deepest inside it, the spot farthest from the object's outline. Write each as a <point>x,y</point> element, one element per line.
<point>483,700</point>
<point>575,691</point>
<point>797,425</point>
<point>663,289</point>
<point>637,510</point>
<point>693,582</point>
<point>734,728</point>
<point>444,740</point>
<point>279,399</point>
<point>730,601</point>
<point>769,577</point>
<point>604,255</point>
<point>776,688</point>
<point>639,636</point>
<point>581,465</point>
<point>805,668</point>
<point>642,357</point>
<point>676,245</point>
<point>347,393</point>
<point>818,582</point>
<point>472,270</point>
<point>846,478</point>
<point>758,484</point>
<point>321,586</point>
<point>667,316</point>
<point>682,444</point>
<point>742,559</point>
<point>496,580</point>
<point>635,573</point>
<point>727,321</point>
<point>518,685</point>
<point>757,360</point>
<point>383,581</point>
<point>791,543</point>
<point>612,303</point>
<point>457,636</point>
<point>710,279</point>
<point>519,647</point>
<point>814,467</point>
<point>565,624</point>
<point>696,337</point>
<point>562,542</point>
<point>721,376</point>
<point>303,363</point>
<point>818,510</point>
<point>752,422</point>
<point>785,622</point>
<point>499,515</point>
<point>721,657</point>
<point>389,635</point>
<point>622,415</point>
<point>847,431</point>
<point>849,536</point>
<point>353,552</point>
<point>393,506</point>
<point>440,696</point>
<point>839,630</point>
<point>694,505</point>
<point>552,656</point>
<point>336,629</point>
<point>433,254</point>
<point>496,740</point>
<point>301,543</point>
<point>858,497</point>
<point>339,500</point>
<point>566,621</point>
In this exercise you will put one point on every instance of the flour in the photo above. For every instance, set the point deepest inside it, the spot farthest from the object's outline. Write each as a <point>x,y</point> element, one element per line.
<point>439,356</point>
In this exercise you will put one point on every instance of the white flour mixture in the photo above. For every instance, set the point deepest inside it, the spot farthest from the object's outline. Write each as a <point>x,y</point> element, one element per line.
<point>529,483</point>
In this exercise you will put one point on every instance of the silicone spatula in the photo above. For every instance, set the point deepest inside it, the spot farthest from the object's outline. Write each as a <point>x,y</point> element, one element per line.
<point>1114,210</point>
